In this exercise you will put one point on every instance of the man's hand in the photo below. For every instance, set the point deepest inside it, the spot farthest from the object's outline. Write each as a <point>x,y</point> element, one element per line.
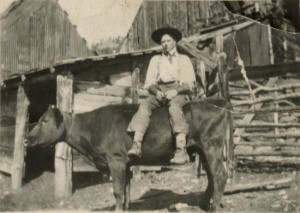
<point>171,94</point>
<point>160,95</point>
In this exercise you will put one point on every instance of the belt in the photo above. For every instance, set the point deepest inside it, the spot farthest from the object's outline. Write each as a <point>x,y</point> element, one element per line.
<point>166,83</point>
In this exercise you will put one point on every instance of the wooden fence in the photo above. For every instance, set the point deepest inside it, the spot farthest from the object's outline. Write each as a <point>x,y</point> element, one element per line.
<point>272,128</point>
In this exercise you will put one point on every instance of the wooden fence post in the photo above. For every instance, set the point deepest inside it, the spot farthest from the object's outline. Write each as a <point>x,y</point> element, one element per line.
<point>135,83</point>
<point>222,74</point>
<point>20,130</point>
<point>63,152</point>
<point>200,71</point>
<point>135,79</point>
<point>276,130</point>
<point>224,92</point>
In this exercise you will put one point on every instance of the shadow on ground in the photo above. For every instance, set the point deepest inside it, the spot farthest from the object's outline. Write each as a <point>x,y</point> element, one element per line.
<point>157,199</point>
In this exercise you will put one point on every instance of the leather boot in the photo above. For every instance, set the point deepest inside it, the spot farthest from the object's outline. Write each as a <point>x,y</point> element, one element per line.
<point>136,149</point>
<point>181,156</point>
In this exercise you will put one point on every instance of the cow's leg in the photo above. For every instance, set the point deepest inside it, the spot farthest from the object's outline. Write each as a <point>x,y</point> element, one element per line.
<point>118,171</point>
<point>217,177</point>
<point>205,201</point>
<point>127,188</point>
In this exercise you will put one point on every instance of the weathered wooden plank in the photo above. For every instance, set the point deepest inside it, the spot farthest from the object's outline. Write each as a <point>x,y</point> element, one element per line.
<point>248,118</point>
<point>140,28</point>
<point>283,154</point>
<point>269,109</point>
<point>200,71</point>
<point>135,84</point>
<point>258,186</point>
<point>267,143</point>
<point>159,13</point>
<point>190,18</point>
<point>96,88</point>
<point>266,99</point>
<point>192,50</point>
<point>169,12</point>
<point>147,36</point>
<point>6,165</point>
<point>63,152</point>
<point>223,77</point>
<point>87,102</point>
<point>265,70</point>
<point>19,151</point>
<point>271,135</point>
<point>267,124</point>
<point>281,85</point>
<point>215,31</point>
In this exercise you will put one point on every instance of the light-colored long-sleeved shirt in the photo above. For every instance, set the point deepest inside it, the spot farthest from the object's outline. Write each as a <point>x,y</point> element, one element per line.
<point>172,67</point>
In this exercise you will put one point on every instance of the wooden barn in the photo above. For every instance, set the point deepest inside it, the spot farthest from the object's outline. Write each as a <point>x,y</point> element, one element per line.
<point>37,34</point>
<point>80,82</point>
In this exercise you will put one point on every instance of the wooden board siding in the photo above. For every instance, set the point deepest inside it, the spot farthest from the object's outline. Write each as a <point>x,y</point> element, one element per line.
<point>253,46</point>
<point>7,129</point>
<point>192,16</point>
<point>185,15</point>
<point>36,35</point>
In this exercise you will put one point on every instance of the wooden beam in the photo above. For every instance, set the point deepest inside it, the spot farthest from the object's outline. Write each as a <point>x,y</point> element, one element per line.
<point>85,102</point>
<point>274,153</point>
<point>268,89</point>
<point>267,124</point>
<point>19,151</point>
<point>63,152</point>
<point>222,72</point>
<point>267,143</point>
<point>135,84</point>
<point>224,30</point>
<point>266,99</point>
<point>258,186</point>
<point>271,135</point>
<point>265,71</point>
<point>248,118</point>
<point>195,52</point>
<point>269,109</point>
<point>200,72</point>
<point>96,88</point>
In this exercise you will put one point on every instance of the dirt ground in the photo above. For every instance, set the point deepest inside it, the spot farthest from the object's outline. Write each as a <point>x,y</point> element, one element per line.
<point>166,190</point>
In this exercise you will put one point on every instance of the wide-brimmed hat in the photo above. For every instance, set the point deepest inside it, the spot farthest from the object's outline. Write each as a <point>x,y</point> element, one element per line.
<point>174,33</point>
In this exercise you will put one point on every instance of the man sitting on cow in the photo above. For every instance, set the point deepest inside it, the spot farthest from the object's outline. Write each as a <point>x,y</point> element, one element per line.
<point>170,78</point>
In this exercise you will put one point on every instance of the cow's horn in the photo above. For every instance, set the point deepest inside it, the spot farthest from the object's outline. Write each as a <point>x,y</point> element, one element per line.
<point>25,143</point>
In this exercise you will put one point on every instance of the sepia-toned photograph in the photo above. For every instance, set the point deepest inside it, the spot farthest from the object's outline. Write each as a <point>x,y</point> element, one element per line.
<point>150,105</point>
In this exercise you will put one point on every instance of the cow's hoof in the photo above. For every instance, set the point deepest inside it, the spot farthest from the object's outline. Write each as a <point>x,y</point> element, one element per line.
<point>208,207</point>
<point>204,206</point>
<point>212,208</point>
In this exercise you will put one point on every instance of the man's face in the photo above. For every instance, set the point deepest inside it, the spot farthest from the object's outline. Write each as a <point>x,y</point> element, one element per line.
<point>168,43</point>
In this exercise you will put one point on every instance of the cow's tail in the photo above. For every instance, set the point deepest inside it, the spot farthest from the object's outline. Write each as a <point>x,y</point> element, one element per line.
<point>228,150</point>
<point>226,154</point>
